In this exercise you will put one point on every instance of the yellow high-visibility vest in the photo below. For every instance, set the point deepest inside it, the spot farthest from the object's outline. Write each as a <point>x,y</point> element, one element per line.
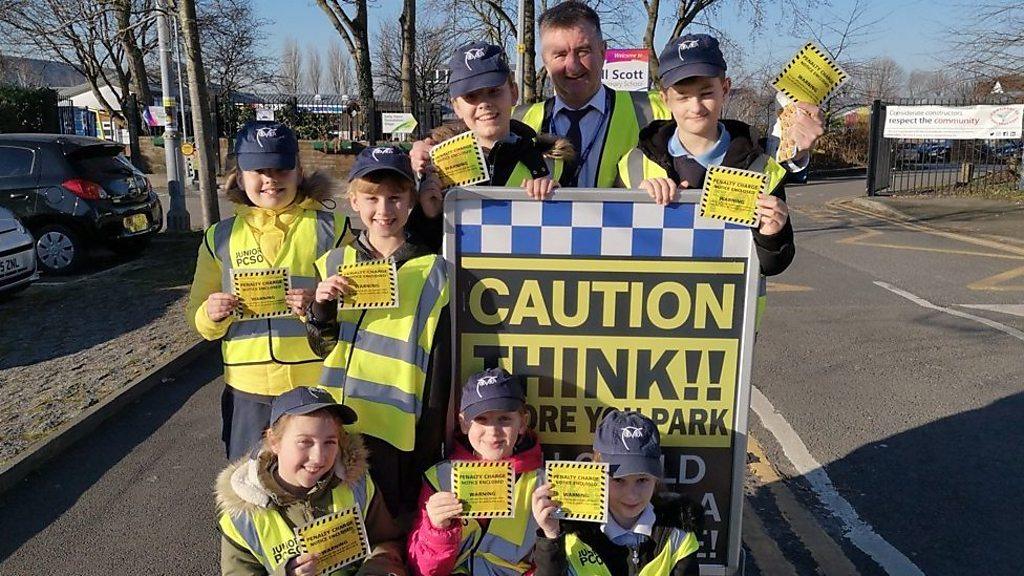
<point>379,366</point>
<point>636,167</point>
<point>583,561</point>
<point>505,548</point>
<point>280,340</point>
<point>270,538</point>
<point>630,112</point>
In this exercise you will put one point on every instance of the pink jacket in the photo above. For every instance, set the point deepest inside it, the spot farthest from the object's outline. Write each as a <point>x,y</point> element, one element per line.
<point>434,551</point>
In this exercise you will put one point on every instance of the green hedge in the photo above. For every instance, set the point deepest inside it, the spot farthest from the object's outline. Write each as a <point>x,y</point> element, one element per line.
<point>28,109</point>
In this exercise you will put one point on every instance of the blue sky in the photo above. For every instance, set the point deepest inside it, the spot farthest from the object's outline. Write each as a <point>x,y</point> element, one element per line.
<point>909,31</point>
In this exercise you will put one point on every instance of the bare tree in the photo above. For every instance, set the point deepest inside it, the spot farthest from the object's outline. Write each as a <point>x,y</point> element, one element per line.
<point>408,22</point>
<point>289,71</point>
<point>89,37</point>
<point>991,40</point>
<point>202,119</point>
<point>881,79</point>
<point>351,25</point>
<point>339,68</point>
<point>435,41</point>
<point>314,70</point>
<point>232,36</point>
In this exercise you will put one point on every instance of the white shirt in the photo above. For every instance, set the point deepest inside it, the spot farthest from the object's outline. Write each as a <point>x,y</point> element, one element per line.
<point>593,127</point>
<point>633,536</point>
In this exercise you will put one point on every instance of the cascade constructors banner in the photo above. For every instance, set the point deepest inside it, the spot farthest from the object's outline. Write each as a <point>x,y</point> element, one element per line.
<point>626,69</point>
<point>612,304</point>
<point>982,122</point>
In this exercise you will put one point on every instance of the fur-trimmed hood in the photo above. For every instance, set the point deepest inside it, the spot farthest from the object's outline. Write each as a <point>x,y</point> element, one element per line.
<point>248,484</point>
<point>315,190</point>
<point>549,145</point>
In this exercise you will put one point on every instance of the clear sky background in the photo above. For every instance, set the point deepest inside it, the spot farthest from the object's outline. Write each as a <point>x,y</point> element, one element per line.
<point>909,31</point>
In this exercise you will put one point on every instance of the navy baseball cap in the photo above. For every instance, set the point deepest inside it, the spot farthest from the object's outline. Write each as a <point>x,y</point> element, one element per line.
<point>382,158</point>
<point>492,389</point>
<point>630,443</point>
<point>477,65</point>
<point>263,144</point>
<point>303,400</point>
<point>688,56</point>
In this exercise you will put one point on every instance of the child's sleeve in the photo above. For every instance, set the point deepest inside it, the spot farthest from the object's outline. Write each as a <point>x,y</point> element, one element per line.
<point>776,252</point>
<point>206,281</point>
<point>432,551</point>
<point>549,556</point>
<point>234,561</point>
<point>322,326</point>
<point>386,541</point>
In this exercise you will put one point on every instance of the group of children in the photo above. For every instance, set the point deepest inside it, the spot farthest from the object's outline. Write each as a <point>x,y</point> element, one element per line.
<point>332,408</point>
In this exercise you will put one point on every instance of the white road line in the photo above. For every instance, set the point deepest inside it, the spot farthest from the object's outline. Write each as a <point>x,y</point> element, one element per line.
<point>926,304</point>
<point>1011,309</point>
<point>859,532</point>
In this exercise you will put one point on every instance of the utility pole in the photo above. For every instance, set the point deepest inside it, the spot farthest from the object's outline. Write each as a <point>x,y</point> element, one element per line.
<point>177,215</point>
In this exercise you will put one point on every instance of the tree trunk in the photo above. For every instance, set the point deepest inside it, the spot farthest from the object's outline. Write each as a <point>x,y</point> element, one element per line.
<point>529,72</point>
<point>408,21</point>
<point>202,125</point>
<point>141,95</point>
<point>652,25</point>
<point>363,72</point>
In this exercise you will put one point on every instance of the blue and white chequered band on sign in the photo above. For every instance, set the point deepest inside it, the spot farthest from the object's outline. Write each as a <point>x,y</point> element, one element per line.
<point>595,229</point>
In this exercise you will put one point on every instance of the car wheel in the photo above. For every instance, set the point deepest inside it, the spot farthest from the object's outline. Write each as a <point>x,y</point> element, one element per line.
<point>58,249</point>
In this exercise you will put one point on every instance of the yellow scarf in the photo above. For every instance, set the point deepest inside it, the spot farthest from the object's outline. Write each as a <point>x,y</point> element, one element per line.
<point>270,227</point>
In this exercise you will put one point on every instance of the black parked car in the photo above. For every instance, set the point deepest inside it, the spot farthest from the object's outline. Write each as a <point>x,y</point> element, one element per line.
<point>74,191</point>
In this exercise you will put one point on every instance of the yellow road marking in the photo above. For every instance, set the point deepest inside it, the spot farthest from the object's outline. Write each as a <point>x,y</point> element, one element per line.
<point>868,233</point>
<point>780,287</point>
<point>996,283</point>
<point>828,555</point>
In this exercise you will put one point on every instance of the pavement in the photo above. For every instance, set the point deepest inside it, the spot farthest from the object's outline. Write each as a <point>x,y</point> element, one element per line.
<point>1001,219</point>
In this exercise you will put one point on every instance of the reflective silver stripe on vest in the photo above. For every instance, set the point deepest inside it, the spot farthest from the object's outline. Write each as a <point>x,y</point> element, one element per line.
<point>303,282</point>
<point>635,167</point>
<point>247,528</point>
<point>444,476</point>
<point>381,394</point>
<point>359,492</point>
<point>279,328</point>
<point>331,377</point>
<point>642,108</point>
<point>676,539</point>
<point>386,346</point>
<point>436,280</point>
<point>222,248</point>
<point>324,232</point>
<point>762,285</point>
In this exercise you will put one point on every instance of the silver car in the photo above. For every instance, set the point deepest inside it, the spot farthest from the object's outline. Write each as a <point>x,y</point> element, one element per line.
<point>17,254</point>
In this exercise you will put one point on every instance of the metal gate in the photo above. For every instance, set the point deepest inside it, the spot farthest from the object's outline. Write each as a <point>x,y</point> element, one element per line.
<point>902,165</point>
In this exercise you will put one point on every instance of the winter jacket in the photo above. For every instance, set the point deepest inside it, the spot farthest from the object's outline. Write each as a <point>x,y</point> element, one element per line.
<point>541,154</point>
<point>390,467</point>
<point>673,514</point>
<point>775,252</point>
<point>248,487</point>
<point>261,378</point>
<point>435,551</point>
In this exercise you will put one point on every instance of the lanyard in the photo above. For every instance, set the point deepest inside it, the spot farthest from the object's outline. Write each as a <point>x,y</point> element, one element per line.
<point>582,158</point>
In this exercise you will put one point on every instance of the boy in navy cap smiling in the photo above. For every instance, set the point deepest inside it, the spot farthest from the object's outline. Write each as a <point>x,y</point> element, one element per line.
<point>390,365</point>
<point>282,220</point>
<point>483,94</point>
<point>646,533</point>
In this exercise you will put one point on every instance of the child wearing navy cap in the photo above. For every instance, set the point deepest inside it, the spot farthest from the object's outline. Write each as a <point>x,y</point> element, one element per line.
<point>283,219</point>
<point>391,365</point>
<point>308,466</point>
<point>646,533</point>
<point>493,421</point>
<point>483,93</point>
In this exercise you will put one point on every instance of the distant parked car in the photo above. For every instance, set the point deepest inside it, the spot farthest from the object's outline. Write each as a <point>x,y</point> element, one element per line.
<point>74,191</point>
<point>17,254</point>
<point>936,152</point>
<point>908,152</point>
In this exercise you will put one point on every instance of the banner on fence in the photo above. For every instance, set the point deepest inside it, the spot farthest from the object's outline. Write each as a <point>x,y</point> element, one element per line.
<point>980,122</point>
<point>603,300</point>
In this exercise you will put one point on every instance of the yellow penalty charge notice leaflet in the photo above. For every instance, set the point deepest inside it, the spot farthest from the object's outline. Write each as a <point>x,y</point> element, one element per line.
<point>261,293</point>
<point>339,538</point>
<point>730,194</point>
<point>811,76</point>
<point>580,487</point>
<point>460,161</point>
<point>484,488</point>
<point>375,283</point>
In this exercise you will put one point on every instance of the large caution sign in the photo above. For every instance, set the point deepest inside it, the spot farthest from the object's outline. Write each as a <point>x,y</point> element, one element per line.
<point>605,300</point>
